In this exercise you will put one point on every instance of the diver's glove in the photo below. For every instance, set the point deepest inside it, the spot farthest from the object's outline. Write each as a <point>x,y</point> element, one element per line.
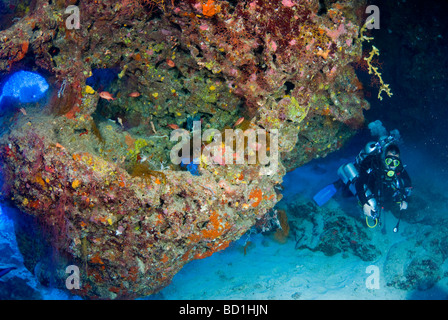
<point>403,205</point>
<point>368,210</point>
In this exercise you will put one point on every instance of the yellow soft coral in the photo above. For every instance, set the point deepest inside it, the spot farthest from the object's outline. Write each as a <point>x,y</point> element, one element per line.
<point>363,37</point>
<point>374,70</point>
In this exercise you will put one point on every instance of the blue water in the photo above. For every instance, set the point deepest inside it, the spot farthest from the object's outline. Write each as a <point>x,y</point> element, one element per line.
<point>24,87</point>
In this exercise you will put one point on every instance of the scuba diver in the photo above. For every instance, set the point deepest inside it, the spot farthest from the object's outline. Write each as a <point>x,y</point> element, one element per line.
<point>377,178</point>
<point>383,182</point>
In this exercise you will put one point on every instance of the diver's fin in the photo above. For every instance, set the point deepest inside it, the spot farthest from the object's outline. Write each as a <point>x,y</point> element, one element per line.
<point>326,194</point>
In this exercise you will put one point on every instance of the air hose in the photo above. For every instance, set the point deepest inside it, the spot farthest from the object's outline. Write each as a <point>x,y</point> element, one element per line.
<point>367,223</point>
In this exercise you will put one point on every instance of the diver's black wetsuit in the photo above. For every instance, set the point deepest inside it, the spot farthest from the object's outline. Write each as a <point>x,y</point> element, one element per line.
<point>387,191</point>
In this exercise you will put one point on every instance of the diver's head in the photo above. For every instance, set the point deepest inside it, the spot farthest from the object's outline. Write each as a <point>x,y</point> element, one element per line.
<point>392,162</point>
<point>392,150</point>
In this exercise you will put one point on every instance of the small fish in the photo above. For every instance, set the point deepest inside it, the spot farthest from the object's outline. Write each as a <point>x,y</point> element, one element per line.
<point>239,121</point>
<point>106,95</point>
<point>6,271</point>
<point>170,63</point>
<point>173,126</point>
<point>120,121</point>
<point>134,94</point>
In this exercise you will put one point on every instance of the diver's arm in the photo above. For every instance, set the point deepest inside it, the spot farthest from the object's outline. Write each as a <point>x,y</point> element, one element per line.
<point>359,185</point>
<point>363,179</point>
<point>406,189</point>
<point>367,208</point>
<point>406,179</point>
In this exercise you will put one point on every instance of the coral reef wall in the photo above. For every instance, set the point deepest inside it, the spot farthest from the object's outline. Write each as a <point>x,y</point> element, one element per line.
<point>93,164</point>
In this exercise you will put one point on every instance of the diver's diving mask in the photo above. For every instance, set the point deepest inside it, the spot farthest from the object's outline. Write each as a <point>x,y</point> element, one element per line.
<point>392,163</point>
